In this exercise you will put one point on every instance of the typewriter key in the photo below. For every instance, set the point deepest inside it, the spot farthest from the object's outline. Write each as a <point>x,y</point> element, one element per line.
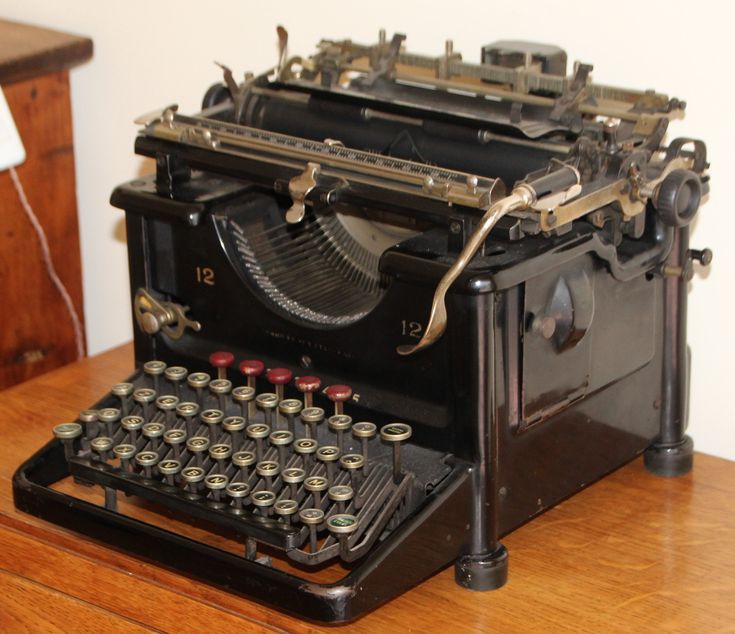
<point>188,411</point>
<point>289,408</point>
<point>234,426</point>
<point>220,361</point>
<point>341,494</point>
<point>101,445</point>
<point>281,439</point>
<point>315,485</point>
<point>340,423</point>
<point>154,369</point>
<point>123,392</point>
<point>192,476</point>
<point>131,424</point>
<point>167,404</point>
<point>307,385</point>
<point>243,459</point>
<point>169,469</point>
<point>251,369</point>
<point>211,418</point>
<point>153,431</point>
<point>147,460</point>
<point>144,397</point>
<point>175,374</point>
<point>396,433</point>
<point>342,526</point>
<point>108,416</point>
<point>267,401</point>
<point>311,417</point>
<point>175,438</point>
<point>196,446</point>
<point>256,432</point>
<point>89,418</point>
<point>286,508</point>
<point>353,462</point>
<point>268,469</point>
<point>216,482</point>
<point>220,453</point>
<point>66,433</point>
<point>305,447</point>
<point>198,381</point>
<point>124,452</point>
<point>338,394</point>
<point>238,491</point>
<point>311,518</point>
<point>293,476</point>
<point>221,388</point>
<point>328,454</point>
<point>364,431</point>
<point>264,500</point>
<point>244,395</point>
<point>278,377</point>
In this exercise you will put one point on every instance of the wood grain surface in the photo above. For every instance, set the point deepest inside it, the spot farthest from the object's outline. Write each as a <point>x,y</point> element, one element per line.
<point>631,553</point>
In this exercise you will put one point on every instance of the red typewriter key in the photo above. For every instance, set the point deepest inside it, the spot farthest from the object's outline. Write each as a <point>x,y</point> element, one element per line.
<point>221,360</point>
<point>338,394</point>
<point>251,369</point>
<point>278,377</point>
<point>307,385</point>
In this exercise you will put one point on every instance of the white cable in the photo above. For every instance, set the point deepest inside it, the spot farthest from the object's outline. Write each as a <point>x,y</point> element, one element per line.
<point>46,252</point>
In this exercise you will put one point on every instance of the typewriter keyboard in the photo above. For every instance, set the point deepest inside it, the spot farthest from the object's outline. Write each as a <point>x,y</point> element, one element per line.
<point>269,465</point>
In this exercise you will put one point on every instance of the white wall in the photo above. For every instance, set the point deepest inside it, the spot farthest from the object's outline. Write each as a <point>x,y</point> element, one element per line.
<point>150,54</point>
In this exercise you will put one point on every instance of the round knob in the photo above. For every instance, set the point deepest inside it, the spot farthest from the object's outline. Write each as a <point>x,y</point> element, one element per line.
<point>342,524</point>
<point>338,394</point>
<point>678,197</point>
<point>307,385</point>
<point>251,367</point>
<point>221,361</point>
<point>279,376</point>
<point>68,431</point>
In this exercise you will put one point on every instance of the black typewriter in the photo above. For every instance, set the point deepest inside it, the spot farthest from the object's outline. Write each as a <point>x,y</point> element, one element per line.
<point>388,308</point>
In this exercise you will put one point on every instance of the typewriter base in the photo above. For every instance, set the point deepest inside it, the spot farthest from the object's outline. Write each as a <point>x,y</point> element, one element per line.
<point>482,572</point>
<point>670,461</point>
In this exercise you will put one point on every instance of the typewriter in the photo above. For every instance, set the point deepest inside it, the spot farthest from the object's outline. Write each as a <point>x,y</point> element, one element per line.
<point>388,308</point>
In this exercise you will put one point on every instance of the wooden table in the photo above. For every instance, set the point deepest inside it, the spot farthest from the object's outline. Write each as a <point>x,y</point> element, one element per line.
<point>631,553</point>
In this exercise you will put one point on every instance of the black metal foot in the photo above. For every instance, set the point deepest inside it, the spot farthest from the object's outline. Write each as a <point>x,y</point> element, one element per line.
<point>482,572</point>
<point>670,460</point>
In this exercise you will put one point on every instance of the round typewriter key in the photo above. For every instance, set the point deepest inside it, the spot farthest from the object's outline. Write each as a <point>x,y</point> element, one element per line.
<point>221,388</point>
<point>278,377</point>
<point>311,518</point>
<point>192,476</point>
<point>353,462</point>
<point>101,445</point>
<point>243,459</point>
<point>340,423</point>
<point>175,438</point>
<point>341,494</point>
<point>328,454</point>
<point>311,417</point>
<point>244,395</point>
<point>364,431</point>
<point>316,485</point>
<point>286,508</point>
<point>267,401</point>
<point>281,439</point>
<point>238,491</point>
<point>197,445</point>
<point>153,432</point>
<point>89,418</point>
<point>220,361</point>
<point>144,397</point>
<point>198,381</point>
<point>147,460</point>
<point>268,469</point>
<point>307,385</point>
<point>234,426</point>
<point>342,526</point>
<point>154,369</point>
<point>293,476</point>
<point>264,500</point>
<point>257,432</point>
<point>167,404</point>
<point>124,452</point>
<point>338,394</point>
<point>66,433</point>
<point>169,469</point>
<point>123,392</point>
<point>289,408</point>
<point>131,424</point>
<point>251,369</point>
<point>175,374</point>
<point>108,416</point>
<point>211,418</point>
<point>216,482</point>
<point>220,453</point>
<point>395,434</point>
<point>188,411</point>
<point>305,447</point>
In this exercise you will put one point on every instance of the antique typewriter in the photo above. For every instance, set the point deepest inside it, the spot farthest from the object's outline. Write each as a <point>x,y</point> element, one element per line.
<point>388,308</point>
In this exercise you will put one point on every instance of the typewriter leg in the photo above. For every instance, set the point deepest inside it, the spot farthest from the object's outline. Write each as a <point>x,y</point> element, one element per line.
<point>673,452</point>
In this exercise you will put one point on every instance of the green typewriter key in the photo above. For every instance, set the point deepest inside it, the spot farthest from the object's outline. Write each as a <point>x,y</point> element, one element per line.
<point>175,438</point>
<point>169,469</point>
<point>395,434</point>
<point>66,433</point>
<point>312,518</point>
<point>243,459</point>
<point>342,526</point>
<point>123,392</point>
<point>154,370</point>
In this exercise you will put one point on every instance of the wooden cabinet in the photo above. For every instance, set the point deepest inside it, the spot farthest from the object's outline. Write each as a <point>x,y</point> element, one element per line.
<point>36,332</point>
